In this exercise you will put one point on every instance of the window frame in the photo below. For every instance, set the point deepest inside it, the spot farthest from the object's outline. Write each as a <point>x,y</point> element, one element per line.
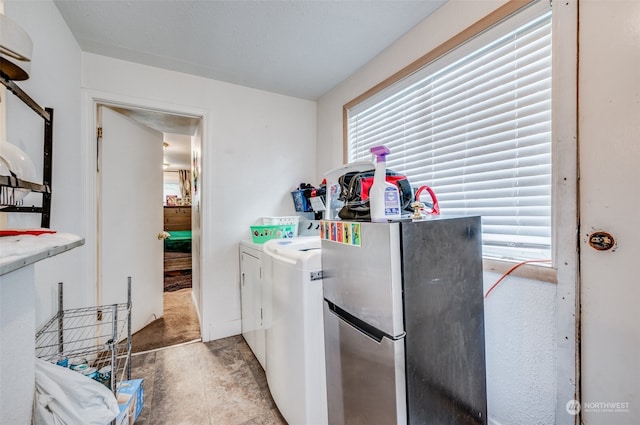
<point>538,271</point>
<point>168,180</point>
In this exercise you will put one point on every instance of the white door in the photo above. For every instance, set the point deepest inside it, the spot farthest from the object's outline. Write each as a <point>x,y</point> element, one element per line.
<point>609,128</point>
<point>130,216</point>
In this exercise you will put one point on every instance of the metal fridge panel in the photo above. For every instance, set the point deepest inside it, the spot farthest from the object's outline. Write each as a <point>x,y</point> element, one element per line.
<point>365,376</point>
<point>444,320</point>
<point>366,280</point>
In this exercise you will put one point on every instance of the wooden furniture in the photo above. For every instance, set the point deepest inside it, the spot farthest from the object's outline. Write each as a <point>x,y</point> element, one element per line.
<point>177,218</point>
<point>176,261</point>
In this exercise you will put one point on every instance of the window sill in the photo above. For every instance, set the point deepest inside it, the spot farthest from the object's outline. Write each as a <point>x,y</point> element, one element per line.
<point>534,271</point>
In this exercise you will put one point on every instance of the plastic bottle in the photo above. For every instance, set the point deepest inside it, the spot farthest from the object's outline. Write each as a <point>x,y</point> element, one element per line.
<point>384,197</point>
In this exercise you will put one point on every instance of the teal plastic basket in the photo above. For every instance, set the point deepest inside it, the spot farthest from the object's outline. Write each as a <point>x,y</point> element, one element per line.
<point>263,233</point>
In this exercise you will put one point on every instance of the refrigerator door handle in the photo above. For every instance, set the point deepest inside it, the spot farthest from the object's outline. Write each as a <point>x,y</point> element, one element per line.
<point>360,325</point>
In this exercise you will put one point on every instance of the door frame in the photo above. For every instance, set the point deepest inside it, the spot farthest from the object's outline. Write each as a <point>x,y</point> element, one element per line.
<point>89,123</point>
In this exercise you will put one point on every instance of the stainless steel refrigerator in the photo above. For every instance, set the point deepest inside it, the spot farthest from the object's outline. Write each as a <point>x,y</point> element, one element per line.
<point>404,322</point>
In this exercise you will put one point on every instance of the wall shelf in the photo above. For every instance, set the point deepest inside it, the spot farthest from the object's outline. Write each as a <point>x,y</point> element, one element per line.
<point>14,182</point>
<point>21,251</point>
<point>8,183</point>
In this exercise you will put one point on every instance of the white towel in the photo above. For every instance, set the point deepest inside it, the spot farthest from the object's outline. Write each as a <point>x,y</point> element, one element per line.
<point>65,397</point>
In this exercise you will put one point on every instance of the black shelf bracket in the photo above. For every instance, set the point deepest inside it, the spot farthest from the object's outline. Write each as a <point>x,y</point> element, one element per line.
<point>47,167</point>
<point>12,87</point>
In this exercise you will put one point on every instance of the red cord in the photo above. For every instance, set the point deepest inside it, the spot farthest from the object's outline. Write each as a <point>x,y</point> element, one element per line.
<point>511,270</point>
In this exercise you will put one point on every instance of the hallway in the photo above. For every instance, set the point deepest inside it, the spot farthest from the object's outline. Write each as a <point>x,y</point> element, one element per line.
<point>218,382</point>
<point>178,325</point>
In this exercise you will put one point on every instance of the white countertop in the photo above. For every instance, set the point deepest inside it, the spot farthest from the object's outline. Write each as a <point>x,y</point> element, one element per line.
<point>20,251</point>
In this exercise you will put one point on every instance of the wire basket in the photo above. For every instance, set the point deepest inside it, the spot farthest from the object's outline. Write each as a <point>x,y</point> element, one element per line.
<point>274,228</point>
<point>95,341</point>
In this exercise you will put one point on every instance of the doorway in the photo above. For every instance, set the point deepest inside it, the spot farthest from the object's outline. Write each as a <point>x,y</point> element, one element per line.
<point>176,320</point>
<point>177,194</point>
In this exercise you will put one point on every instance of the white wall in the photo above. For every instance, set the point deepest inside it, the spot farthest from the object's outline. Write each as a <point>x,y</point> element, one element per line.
<point>520,348</point>
<point>520,315</point>
<point>17,345</point>
<point>256,147</point>
<point>54,82</point>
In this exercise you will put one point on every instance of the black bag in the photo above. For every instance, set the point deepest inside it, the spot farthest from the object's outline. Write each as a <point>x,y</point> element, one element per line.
<point>354,192</point>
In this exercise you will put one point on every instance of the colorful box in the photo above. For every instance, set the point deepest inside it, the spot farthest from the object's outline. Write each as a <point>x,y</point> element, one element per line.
<point>130,400</point>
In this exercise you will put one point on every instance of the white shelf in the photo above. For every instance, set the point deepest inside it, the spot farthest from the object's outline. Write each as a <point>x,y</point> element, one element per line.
<point>20,251</point>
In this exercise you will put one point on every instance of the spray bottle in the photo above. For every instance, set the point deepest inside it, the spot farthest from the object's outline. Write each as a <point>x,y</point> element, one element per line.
<point>384,197</point>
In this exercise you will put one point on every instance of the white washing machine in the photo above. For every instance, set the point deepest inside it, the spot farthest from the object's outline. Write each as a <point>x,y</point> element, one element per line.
<point>295,331</point>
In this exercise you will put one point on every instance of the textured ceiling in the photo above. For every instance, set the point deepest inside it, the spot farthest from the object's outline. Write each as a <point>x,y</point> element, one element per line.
<point>300,48</point>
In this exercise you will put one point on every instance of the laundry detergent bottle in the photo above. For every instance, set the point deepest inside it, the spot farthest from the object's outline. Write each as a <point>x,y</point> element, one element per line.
<point>384,197</point>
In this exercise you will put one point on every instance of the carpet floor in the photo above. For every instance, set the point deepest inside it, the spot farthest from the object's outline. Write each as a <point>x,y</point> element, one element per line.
<point>179,324</point>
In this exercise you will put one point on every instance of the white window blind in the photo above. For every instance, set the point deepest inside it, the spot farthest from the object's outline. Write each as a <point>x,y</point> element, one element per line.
<point>475,125</point>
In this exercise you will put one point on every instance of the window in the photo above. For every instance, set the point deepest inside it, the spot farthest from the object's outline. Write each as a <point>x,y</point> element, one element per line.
<point>475,125</point>
<point>171,185</point>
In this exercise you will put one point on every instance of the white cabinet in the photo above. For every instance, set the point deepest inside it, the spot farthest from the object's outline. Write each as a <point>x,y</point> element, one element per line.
<point>251,296</point>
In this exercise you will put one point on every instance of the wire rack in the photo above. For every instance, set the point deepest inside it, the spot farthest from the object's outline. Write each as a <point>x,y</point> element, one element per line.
<point>13,189</point>
<point>97,337</point>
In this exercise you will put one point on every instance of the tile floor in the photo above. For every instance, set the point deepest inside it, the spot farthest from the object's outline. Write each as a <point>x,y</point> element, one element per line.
<point>218,382</point>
